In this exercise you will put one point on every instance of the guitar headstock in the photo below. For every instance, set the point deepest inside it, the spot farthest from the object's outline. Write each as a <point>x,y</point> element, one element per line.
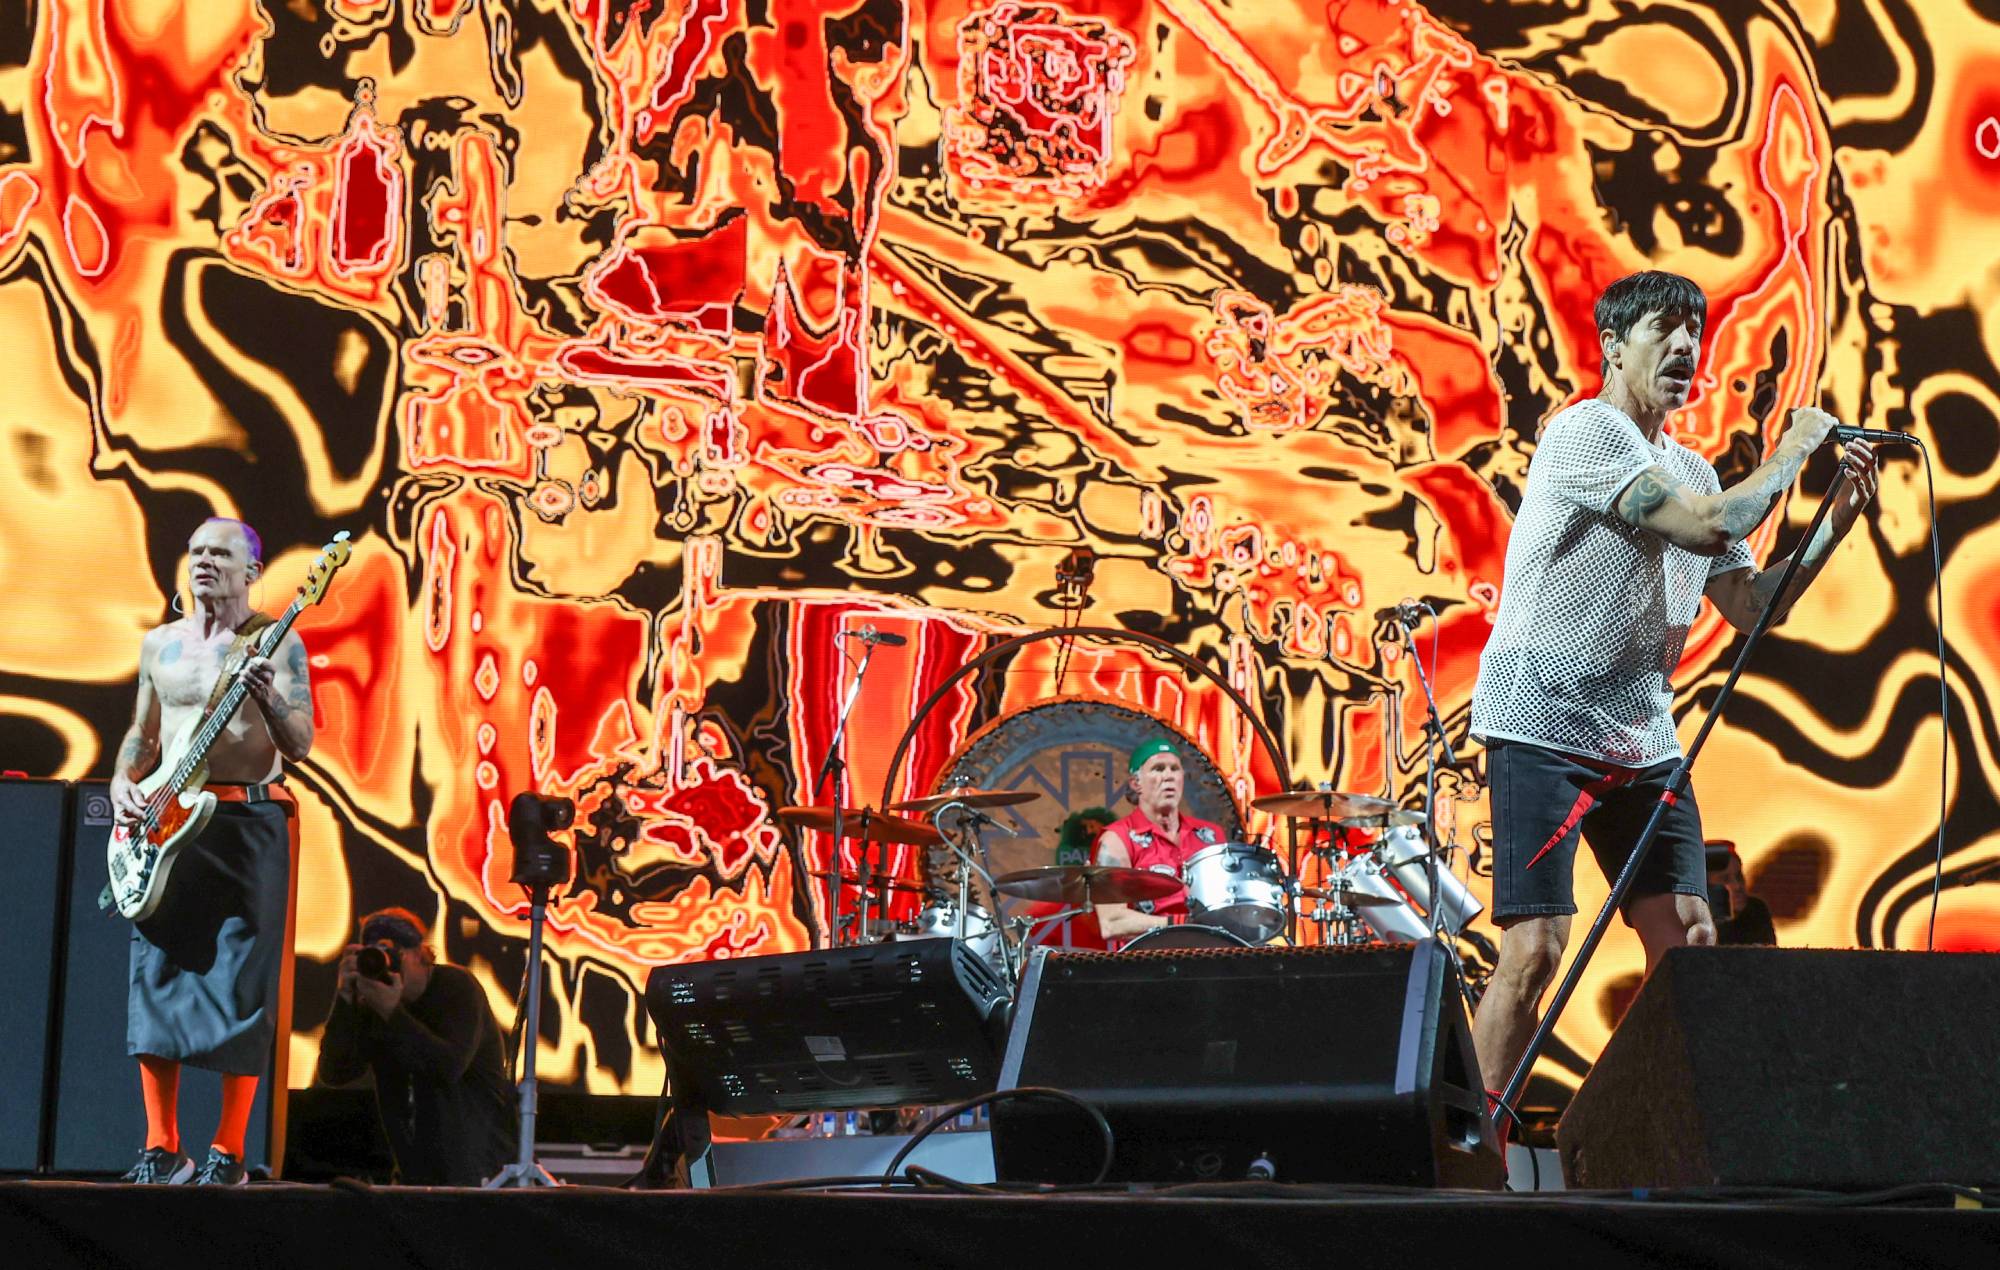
<point>331,557</point>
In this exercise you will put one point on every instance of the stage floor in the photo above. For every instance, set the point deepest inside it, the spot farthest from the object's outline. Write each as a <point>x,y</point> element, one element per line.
<point>60,1224</point>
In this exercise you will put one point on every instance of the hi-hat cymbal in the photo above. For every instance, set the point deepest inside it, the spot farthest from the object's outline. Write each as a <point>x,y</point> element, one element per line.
<point>974,798</point>
<point>1075,884</point>
<point>1360,811</point>
<point>879,882</point>
<point>862,824</point>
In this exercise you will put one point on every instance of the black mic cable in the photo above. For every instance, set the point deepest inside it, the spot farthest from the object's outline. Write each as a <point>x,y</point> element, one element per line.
<point>1885,436</point>
<point>1944,693</point>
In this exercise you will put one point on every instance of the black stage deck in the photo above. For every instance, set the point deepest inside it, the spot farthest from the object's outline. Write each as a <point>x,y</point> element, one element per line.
<point>52,1224</point>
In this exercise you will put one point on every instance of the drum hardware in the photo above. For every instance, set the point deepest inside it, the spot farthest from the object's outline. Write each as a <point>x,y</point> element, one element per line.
<point>866,826</point>
<point>971,821</point>
<point>1352,896</point>
<point>967,911</point>
<point>883,883</point>
<point>1085,886</point>
<point>1079,888</point>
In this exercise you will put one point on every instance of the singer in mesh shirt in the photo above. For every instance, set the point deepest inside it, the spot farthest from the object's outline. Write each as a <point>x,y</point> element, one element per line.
<point>1621,533</point>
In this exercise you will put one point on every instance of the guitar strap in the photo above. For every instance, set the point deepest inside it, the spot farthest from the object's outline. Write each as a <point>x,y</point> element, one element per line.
<point>253,624</point>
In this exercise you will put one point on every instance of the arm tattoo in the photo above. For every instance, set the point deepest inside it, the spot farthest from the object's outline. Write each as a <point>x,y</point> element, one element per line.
<point>1742,514</point>
<point>300,696</point>
<point>1648,492</point>
<point>1744,505</point>
<point>133,752</point>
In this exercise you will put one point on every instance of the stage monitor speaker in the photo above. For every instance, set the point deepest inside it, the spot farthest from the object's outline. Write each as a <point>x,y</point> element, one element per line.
<point>1327,1064</point>
<point>100,1120</point>
<point>876,1025</point>
<point>1791,1067</point>
<point>33,841</point>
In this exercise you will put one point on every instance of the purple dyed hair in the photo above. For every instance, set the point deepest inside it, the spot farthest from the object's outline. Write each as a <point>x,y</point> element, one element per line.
<point>250,537</point>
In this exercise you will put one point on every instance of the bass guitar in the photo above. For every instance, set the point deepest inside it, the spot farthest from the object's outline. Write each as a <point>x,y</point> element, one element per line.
<point>141,854</point>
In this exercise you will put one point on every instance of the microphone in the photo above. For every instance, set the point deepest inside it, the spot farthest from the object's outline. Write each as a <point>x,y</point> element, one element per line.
<point>1407,613</point>
<point>869,635</point>
<point>1874,436</point>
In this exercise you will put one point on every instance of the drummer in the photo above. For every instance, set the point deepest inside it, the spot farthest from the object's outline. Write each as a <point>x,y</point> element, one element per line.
<point>1158,836</point>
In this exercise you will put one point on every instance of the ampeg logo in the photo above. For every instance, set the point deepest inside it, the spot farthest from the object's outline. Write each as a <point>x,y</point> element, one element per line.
<point>97,808</point>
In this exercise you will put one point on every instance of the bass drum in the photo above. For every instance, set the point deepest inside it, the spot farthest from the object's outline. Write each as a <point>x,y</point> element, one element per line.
<point>1188,936</point>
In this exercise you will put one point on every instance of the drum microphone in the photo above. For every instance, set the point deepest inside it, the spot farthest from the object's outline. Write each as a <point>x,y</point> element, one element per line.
<point>869,635</point>
<point>1408,613</point>
<point>1874,436</point>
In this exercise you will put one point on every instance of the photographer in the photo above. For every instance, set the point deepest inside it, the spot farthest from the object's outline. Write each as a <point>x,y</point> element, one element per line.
<point>428,1035</point>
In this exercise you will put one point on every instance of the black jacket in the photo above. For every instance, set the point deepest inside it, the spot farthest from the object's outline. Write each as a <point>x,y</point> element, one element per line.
<point>440,1080</point>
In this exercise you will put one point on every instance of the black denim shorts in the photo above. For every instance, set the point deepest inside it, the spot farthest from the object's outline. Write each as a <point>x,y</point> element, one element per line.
<point>1542,800</point>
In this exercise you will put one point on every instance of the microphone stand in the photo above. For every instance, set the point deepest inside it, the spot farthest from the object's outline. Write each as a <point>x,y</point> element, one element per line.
<point>835,767</point>
<point>1434,736</point>
<point>1676,785</point>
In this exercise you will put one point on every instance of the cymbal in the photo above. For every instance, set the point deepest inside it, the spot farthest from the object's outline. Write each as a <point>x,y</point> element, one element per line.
<point>860,824</point>
<point>877,883</point>
<point>1076,884</point>
<point>975,798</point>
<point>1361,811</point>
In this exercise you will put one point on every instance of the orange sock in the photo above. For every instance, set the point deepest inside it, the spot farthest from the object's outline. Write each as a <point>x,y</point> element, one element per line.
<point>160,1082</point>
<point>238,1093</point>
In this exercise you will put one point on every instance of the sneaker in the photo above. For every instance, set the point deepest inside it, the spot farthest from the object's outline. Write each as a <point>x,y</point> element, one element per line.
<point>158,1166</point>
<point>220,1169</point>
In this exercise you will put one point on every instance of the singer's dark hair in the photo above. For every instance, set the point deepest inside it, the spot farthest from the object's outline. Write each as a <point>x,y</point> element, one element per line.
<point>1635,295</point>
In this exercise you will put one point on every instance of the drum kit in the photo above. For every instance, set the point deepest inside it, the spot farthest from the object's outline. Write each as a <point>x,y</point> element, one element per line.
<point>1367,878</point>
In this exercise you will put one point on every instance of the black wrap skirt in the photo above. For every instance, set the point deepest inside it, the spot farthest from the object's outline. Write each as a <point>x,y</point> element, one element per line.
<point>204,987</point>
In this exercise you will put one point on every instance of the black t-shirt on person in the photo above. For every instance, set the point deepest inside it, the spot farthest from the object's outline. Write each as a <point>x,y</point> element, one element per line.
<point>440,1081</point>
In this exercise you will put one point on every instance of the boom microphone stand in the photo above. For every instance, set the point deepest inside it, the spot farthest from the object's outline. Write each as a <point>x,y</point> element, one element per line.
<point>1434,736</point>
<point>835,767</point>
<point>1676,786</point>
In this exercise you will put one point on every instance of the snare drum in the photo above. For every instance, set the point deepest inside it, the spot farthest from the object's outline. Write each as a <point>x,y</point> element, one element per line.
<point>1238,887</point>
<point>1185,937</point>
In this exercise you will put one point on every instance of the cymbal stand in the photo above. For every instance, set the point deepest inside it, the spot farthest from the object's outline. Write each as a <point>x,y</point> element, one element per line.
<point>834,767</point>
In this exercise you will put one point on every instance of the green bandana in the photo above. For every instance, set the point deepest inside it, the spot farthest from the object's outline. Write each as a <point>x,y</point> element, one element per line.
<point>1158,745</point>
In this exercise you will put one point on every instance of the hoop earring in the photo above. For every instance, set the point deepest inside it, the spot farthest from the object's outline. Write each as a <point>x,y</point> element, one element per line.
<point>178,610</point>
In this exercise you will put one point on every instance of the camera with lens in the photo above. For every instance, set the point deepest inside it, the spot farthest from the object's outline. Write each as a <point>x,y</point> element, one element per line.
<point>377,961</point>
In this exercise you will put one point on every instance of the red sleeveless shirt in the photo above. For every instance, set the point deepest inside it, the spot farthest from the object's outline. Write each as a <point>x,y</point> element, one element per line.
<point>1152,849</point>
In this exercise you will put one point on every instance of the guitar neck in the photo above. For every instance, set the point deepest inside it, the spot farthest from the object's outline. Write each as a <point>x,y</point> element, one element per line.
<point>263,644</point>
